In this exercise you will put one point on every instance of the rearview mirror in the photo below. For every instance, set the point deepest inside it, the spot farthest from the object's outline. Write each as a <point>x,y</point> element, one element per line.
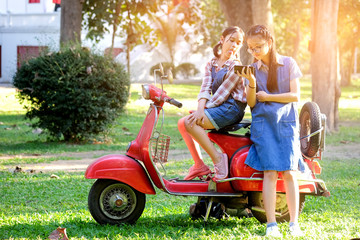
<point>161,69</point>
<point>170,76</point>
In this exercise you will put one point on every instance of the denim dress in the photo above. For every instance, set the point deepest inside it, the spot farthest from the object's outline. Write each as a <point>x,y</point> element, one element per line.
<point>275,126</point>
<point>229,112</point>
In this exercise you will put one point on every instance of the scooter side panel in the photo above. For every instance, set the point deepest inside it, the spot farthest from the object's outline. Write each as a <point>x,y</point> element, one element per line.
<point>123,169</point>
<point>238,168</point>
<point>229,143</point>
<point>195,187</point>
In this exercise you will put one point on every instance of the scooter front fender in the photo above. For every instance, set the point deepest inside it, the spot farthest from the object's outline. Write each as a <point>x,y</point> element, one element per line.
<point>121,168</point>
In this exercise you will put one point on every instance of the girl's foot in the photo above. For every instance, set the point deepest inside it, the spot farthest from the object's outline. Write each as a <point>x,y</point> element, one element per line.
<point>222,168</point>
<point>272,230</point>
<point>295,230</point>
<point>197,172</point>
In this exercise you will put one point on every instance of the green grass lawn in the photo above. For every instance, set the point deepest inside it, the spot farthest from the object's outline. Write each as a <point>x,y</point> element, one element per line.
<point>32,205</point>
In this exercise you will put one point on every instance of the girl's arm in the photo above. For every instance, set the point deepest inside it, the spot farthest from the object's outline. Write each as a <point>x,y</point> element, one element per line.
<point>292,96</point>
<point>251,95</point>
<point>205,90</point>
<point>198,116</point>
<point>204,96</point>
<point>251,88</point>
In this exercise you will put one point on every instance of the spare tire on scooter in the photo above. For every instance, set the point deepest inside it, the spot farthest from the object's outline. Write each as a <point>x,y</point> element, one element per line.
<point>310,122</point>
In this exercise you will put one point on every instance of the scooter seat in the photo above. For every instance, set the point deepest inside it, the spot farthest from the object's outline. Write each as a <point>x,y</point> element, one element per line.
<point>234,127</point>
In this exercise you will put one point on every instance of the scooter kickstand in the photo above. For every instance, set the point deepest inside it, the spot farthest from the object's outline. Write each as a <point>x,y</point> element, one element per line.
<point>208,210</point>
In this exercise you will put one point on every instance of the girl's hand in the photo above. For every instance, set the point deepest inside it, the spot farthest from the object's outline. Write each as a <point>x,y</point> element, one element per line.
<point>261,96</point>
<point>246,73</point>
<point>197,118</point>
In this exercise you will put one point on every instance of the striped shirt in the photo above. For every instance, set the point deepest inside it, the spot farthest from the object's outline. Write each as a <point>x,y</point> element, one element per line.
<point>232,84</point>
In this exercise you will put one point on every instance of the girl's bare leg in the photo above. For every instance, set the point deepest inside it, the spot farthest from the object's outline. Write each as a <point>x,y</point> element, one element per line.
<point>269,194</point>
<point>191,144</point>
<point>200,135</point>
<point>292,194</point>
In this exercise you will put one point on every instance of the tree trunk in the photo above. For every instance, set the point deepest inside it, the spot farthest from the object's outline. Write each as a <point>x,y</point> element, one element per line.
<point>245,13</point>
<point>238,13</point>
<point>324,65</point>
<point>128,39</point>
<point>355,59</point>
<point>261,12</point>
<point>71,17</point>
<point>345,72</point>
<point>347,56</point>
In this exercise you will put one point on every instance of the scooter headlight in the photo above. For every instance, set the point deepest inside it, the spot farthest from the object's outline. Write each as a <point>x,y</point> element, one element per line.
<point>146,91</point>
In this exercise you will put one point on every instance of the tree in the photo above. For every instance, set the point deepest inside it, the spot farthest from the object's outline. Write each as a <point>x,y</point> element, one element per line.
<point>324,68</point>
<point>173,20</point>
<point>292,29</point>
<point>125,17</point>
<point>244,13</point>
<point>130,19</point>
<point>212,23</point>
<point>71,18</point>
<point>349,36</point>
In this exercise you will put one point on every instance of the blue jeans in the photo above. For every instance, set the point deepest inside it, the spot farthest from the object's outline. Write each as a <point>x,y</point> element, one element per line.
<point>230,112</point>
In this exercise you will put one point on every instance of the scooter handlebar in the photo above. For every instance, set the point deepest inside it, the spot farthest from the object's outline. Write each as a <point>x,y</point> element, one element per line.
<point>174,102</point>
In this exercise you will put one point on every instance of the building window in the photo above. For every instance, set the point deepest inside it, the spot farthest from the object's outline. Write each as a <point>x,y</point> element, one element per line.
<point>34,1</point>
<point>25,53</point>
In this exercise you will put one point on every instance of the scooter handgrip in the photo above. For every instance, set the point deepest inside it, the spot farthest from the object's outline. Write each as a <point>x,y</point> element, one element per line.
<point>175,103</point>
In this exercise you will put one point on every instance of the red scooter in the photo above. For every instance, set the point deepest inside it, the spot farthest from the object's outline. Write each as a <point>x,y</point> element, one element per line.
<point>118,194</point>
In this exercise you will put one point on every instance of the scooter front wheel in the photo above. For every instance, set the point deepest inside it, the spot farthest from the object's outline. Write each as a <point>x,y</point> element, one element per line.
<point>281,208</point>
<point>113,202</point>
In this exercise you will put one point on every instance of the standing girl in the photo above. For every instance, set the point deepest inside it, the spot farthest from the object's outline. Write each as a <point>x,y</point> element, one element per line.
<point>272,96</point>
<point>221,102</point>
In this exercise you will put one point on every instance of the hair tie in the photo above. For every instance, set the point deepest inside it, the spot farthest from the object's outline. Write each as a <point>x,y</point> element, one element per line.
<point>220,43</point>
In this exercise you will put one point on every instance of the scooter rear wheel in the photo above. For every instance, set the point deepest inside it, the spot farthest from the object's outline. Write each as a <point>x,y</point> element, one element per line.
<point>113,202</point>
<point>281,209</point>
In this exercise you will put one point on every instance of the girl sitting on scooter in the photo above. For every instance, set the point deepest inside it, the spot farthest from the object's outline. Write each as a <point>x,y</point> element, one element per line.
<point>272,96</point>
<point>221,102</point>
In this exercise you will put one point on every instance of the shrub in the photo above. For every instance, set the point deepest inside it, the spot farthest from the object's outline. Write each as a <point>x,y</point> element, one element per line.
<point>166,66</point>
<point>73,93</point>
<point>187,70</point>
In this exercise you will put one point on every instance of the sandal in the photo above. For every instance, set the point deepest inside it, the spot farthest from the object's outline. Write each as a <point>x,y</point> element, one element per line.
<point>197,172</point>
<point>222,168</point>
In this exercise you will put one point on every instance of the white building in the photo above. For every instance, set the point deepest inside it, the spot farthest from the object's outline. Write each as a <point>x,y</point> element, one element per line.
<point>26,26</point>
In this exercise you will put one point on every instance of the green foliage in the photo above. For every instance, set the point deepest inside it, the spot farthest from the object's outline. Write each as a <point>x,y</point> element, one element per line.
<point>292,29</point>
<point>125,18</point>
<point>211,25</point>
<point>186,70</point>
<point>73,93</point>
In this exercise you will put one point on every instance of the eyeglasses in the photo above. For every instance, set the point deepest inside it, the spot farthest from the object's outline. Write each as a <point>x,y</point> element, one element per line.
<point>255,49</point>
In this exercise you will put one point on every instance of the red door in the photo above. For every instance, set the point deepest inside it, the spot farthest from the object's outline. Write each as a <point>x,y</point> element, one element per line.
<point>24,53</point>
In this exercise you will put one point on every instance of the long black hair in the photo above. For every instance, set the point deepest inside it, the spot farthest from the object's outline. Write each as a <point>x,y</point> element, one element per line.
<point>261,30</point>
<point>227,31</point>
